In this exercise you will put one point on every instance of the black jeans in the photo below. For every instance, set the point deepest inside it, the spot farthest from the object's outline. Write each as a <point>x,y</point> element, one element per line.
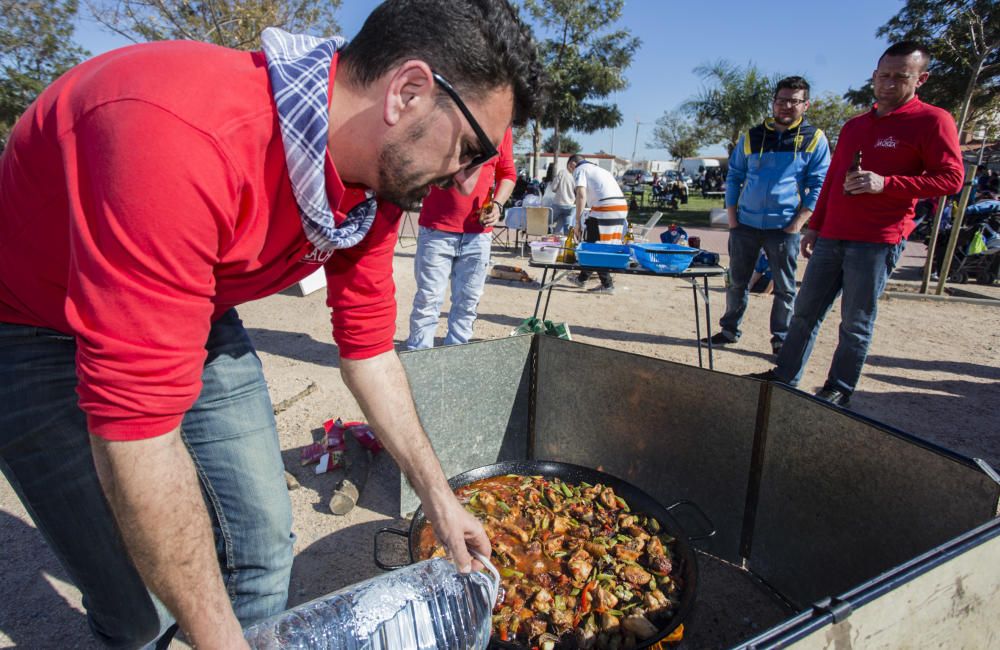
<point>591,234</point>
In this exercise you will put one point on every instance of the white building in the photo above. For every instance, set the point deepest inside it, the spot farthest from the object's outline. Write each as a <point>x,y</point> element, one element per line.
<point>613,164</point>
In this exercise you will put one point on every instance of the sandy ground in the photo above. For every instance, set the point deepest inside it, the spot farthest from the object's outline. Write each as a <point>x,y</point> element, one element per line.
<point>934,371</point>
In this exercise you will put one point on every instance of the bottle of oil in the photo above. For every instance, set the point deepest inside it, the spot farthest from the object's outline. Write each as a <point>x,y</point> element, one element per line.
<point>855,166</point>
<point>566,253</point>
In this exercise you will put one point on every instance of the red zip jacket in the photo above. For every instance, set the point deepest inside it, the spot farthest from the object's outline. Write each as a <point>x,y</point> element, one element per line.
<point>915,148</point>
<point>145,193</point>
<point>451,211</point>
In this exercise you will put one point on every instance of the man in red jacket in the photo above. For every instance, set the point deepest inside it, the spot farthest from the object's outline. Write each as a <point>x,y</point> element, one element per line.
<point>144,195</point>
<point>454,245</point>
<point>909,151</point>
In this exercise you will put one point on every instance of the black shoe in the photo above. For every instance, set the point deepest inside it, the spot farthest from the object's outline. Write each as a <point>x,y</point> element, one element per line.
<point>720,339</point>
<point>767,375</point>
<point>834,396</point>
<point>609,291</point>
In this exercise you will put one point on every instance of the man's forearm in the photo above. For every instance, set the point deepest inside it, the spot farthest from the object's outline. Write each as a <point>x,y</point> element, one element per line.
<point>504,190</point>
<point>800,219</point>
<point>157,501</point>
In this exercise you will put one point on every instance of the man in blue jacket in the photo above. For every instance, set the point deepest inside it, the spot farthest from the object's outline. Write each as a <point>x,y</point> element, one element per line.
<point>775,174</point>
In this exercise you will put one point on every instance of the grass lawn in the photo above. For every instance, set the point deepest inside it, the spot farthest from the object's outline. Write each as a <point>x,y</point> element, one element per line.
<point>694,213</point>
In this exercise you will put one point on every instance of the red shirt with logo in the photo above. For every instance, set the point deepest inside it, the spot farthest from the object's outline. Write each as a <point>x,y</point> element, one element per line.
<point>144,194</point>
<point>915,148</point>
<point>451,211</point>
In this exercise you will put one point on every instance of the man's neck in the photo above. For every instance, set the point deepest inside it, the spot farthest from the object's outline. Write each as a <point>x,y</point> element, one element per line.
<point>351,136</point>
<point>885,110</point>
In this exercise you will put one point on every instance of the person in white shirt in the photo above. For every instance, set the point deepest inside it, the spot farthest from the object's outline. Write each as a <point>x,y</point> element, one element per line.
<point>560,195</point>
<point>607,211</point>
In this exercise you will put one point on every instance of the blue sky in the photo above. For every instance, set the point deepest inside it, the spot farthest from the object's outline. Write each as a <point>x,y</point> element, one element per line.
<point>831,44</point>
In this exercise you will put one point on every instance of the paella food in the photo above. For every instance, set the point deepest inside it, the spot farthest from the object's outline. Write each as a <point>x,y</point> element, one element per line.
<point>579,568</point>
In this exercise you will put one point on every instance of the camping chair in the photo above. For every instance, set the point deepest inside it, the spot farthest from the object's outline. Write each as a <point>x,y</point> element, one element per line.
<point>536,224</point>
<point>641,233</point>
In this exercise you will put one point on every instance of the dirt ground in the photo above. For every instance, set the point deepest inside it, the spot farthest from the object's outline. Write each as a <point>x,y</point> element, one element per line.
<point>933,371</point>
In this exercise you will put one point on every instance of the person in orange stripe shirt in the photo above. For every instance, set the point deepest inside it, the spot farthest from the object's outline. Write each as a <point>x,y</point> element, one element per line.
<point>607,217</point>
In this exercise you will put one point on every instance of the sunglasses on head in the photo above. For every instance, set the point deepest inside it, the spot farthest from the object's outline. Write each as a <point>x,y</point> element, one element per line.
<point>486,148</point>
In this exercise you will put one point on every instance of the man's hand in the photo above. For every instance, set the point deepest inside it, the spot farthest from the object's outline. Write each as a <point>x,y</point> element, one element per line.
<point>800,220</point>
<point>808,242</point>
<point>491,216</point>
<point>154,493</point>
<point>864,182</point>
<point>731,216</point>
<point>458,530</point>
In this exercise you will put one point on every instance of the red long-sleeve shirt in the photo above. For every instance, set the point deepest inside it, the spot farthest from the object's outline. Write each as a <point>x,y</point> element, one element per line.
<point>145,193</point>
<point>451,211</point>
<point>915,148</point>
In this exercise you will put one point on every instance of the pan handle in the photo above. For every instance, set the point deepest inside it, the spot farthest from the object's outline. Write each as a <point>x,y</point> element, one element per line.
<point>709,526</point>
<point>388,531</point>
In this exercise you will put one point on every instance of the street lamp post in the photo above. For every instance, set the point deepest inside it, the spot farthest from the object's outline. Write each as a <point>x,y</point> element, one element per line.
<point>635,142</point>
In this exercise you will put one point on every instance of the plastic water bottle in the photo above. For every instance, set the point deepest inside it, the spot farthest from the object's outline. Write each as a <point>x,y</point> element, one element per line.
<point>427,605</point>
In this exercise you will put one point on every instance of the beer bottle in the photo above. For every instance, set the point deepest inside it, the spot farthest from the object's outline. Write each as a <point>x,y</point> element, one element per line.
<point>567,254</point>
<point>855,166</point>
<point>487,207</point>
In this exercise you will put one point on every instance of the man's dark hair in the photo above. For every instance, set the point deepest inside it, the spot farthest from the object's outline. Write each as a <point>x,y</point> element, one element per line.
<point>477,45</point>
<point>793,83</point>
<point>575,159</point>
<point>906,48</point>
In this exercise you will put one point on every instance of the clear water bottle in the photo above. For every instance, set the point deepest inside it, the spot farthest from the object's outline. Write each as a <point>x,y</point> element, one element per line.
<point>427,605</point>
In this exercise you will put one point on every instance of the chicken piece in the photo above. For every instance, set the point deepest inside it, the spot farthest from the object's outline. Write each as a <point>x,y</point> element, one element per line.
<point>655,547</point>
<point>542,601</point>
<point>534,548</point>
<point>623,552</point>
<point>659,565</point>
<point>625,520</point>
<point>604,599</point>
<point>580,565</point>
<point>597,551</point>
<point>562,619</point>
<point>609,622</point>
<point>582,532</point>
<point>639,626</point>
<point>553,545</point>
<point>637,532</point>
<point>561,525</point>
<point>536,627</point>
<point>544,580</point>
<point>487,501</point>
<point>583,512</point>
<point>555,498</point>
<point>633,574</point>
<point>655,602</point>
<point>509,525</point>
<point>608,499</point>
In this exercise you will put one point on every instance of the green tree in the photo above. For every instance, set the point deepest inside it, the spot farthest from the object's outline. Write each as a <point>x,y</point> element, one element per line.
<point>566,144</point>
<point>678,135</point>
<point>36,46</point>
<point>963,37</point>
<point>829,112</point>
<point>586,59</point>
<point>733,99</point>
<point>231,23</point>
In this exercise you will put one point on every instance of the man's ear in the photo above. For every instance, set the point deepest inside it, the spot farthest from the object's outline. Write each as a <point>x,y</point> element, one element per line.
<point>922,78</point>
<point>410,89</point>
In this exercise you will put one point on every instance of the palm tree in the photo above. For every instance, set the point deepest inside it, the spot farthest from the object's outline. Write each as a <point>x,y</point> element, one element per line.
<point>735,99</point>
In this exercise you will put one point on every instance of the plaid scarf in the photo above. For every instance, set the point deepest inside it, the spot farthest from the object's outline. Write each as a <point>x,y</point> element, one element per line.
<point>298,67</point>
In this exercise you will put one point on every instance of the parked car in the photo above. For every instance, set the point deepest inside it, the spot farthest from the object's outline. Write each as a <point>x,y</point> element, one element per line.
<point>632,177</point>
<point>646,178</point>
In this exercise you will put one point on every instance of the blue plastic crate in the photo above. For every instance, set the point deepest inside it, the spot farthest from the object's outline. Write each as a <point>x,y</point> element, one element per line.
<point>664,258</point>
<point>605,256</point>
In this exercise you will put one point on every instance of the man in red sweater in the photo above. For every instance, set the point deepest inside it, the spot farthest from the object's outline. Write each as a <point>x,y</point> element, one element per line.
<point>144,195</point>
<point>909,150</point>
<point>454,244</point>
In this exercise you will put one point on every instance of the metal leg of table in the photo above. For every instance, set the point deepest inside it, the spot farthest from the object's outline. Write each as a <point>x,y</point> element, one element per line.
<point>541,288</point>
<point>708,325</point>
<point>697,320</point>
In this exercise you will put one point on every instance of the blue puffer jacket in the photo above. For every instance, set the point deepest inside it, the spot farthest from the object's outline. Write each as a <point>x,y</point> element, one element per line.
<point>772,173</point>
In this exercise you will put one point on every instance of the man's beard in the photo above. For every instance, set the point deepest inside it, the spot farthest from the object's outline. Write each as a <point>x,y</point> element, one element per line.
<point>783,121</point>
<point>399,183</point>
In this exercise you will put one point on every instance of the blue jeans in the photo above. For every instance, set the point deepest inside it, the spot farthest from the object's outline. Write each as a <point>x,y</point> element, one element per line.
<point>230,432</point>
<point>782,251</point>
<point>563,218</point>
<point>859,270</point>
<point>441,256</point>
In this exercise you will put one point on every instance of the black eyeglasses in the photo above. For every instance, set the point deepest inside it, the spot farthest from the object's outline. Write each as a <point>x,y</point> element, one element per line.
<point>486,148</point>
<point>789,101</point>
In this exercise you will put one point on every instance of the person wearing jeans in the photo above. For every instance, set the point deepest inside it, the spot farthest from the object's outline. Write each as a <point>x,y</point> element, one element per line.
<point>908,150</point>
<point>453,246</point>
<point>775,174</point>
<point>229,430</point>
